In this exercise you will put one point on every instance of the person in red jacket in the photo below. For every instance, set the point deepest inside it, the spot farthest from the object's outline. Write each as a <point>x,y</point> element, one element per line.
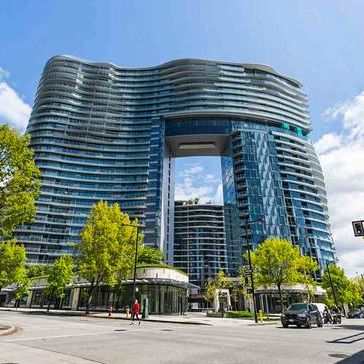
<point>135,311</point>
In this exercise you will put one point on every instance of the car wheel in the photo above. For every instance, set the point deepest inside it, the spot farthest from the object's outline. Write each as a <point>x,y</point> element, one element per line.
<point>285,325</point>
<point>308,323</point>
<point>298,325</point>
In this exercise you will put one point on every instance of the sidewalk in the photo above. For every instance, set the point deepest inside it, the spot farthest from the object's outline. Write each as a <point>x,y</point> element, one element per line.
<point>191,318</point>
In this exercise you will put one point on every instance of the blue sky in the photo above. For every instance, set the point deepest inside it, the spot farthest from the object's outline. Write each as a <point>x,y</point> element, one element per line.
<point>321,43</point>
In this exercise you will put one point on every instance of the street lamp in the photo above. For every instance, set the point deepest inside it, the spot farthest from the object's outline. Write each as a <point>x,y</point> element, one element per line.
<point>135,257</point>
<point>332,286</point>
<point>246,225</point>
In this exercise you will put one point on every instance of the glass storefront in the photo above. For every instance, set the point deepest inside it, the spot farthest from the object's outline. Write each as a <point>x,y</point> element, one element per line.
<point>161,298</point>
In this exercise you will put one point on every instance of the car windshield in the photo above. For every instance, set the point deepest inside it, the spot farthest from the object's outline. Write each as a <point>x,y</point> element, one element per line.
<point>297,307</point>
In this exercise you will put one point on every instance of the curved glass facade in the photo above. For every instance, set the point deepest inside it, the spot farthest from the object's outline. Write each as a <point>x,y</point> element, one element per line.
<point>104,132</point>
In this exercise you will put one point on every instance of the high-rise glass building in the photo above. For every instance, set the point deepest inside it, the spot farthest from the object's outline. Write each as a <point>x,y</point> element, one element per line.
<point>199,240</point>
<point>100,131</point>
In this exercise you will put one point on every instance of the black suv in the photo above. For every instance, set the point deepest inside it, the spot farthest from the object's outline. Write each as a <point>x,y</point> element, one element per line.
<point>302,314</point>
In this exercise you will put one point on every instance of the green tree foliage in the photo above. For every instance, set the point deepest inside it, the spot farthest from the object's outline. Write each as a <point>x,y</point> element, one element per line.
<point>359,283</point>
<point>59,277</point>
<point>148,255</point>
<point>346,291</point>
<point>21,289</point>
<point>19,180</point>
<point>306,269</point>
<point>12,259</point>
<point>37,270</point>
<point>213,284</point>
<point>277,262</point>
<point>107,248</point>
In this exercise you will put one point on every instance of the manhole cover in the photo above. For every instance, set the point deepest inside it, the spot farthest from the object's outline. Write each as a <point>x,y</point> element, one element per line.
<point>340,356</point>
<point>166,330</point>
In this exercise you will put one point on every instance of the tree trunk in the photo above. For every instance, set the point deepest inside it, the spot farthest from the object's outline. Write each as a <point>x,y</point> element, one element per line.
<point>49,301</point>
<point>90,295</point>
<point>280,297</point>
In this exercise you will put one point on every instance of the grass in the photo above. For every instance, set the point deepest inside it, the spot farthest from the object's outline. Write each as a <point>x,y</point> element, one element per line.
<point>239,314</point>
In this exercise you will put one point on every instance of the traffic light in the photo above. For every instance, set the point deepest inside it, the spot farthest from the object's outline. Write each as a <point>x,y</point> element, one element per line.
<point>358,227</point>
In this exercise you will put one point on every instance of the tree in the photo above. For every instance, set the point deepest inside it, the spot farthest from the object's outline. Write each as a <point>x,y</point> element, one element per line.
<point>37,270</point>
<point>106,251</point>
<point>306,269</point>
<point>359,282</point>
<point>276,262</point>
<point>21,289</point>
<point>210,288</point>
<point>19,180</point>
<point>219,282</point>
<point>12,259</point>
<point>59,277</point>
<point>345,290</point>
<point>148,255</point>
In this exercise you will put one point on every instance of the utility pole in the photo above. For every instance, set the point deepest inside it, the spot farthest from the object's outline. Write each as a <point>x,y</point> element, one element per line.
<point>135,258</point>
<point>332,286</point>
<point>246,225</point>
<point>135,261</point>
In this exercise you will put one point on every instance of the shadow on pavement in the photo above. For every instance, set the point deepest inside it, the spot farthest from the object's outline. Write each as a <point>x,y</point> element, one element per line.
<point>50,313</point>
<point>348,339</point>
<point>353,327</point>
<point>357,358</point>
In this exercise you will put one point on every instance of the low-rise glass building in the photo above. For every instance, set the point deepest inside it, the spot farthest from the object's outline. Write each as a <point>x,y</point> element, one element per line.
<point>159,288</point>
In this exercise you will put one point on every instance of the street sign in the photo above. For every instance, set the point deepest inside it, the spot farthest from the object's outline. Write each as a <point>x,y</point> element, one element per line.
<point>358,227</point>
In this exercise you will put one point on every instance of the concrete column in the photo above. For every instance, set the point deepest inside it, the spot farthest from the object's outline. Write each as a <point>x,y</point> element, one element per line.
<point>29,299</point>
<point>75,295</point>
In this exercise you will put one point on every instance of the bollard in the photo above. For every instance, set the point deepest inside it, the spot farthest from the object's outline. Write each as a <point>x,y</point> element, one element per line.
<point>127,311</point>
<point>110,310</point>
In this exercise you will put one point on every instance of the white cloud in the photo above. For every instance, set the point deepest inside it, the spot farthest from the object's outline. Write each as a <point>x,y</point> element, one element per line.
<point>219,198</point>
<point>13,109</point>
<point>328,142</point>
<point>194,182</point>
<point>342,159</point>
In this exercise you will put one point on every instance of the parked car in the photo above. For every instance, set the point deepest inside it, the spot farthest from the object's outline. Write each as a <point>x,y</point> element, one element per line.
<point>302,314</point>
<point>330,316</point>
<point>321,307</point>
<point>356,313</point>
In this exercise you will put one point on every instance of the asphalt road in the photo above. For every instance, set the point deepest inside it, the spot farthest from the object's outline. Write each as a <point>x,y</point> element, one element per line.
<point>60,339</point>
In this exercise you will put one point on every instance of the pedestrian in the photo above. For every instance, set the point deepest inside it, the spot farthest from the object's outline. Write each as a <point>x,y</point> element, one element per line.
<point>135,311</point>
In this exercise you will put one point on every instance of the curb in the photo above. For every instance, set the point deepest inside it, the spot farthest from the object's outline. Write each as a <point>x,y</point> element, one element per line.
<point>8,331</point>
<point>98,316</point>
<point>153,320</point>
<point>264,323</point>
<point>94,315</point>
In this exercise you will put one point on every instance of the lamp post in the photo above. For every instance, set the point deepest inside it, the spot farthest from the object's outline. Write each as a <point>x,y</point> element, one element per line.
<point>246,225</point>
<point>332,286</point>
<point>135,258</point>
